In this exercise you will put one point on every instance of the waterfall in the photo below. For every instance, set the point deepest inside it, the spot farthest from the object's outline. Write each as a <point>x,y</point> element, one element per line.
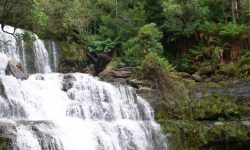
<point>52,48</point>
<point>41,56</point>
<point>53,111</point>
<point>75,112</point>
<point>34,60</point>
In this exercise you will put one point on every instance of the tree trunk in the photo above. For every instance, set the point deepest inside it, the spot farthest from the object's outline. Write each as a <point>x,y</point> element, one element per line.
<point>184,45</point>
<point>234,11</point>
<point>236,46</point>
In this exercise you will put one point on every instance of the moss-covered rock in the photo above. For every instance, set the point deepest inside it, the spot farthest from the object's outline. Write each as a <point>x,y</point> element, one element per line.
<point>200,115</point>
<point>5,143</point>
<point>191,135</point>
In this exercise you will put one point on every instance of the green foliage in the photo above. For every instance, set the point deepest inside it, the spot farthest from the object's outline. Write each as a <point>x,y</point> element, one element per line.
<point>156,70</point>
<point>154,11</point>
<point>63,17</point>
<point>215,108</point>
<point>153,62</point>
<point>25,14</point>
<point>184,64</point>
<point>211,28</point>
<point>229,70</point>
<point>146,41</point>
<point>233,31</point>
<point>182,18</point>
<point>198,51</point>
<point>230,30</point>
<point>72,51</point>
<point>229,132</point>
<point>180,104</point>
<point>222,41</point>
<point>244,63</point>
<point>219,10</point>
<point>111,19</point>
<point>190,135</point>
<point>99,45</point>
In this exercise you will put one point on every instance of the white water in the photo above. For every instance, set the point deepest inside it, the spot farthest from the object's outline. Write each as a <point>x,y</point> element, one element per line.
<point>12,47</point>
<point>77,112</point>
<point>41,56</point>
<point>53,111</point>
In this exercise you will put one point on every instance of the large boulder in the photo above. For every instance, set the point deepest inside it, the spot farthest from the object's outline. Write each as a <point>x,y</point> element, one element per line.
<point>16,69</point>
<point>68,82</point>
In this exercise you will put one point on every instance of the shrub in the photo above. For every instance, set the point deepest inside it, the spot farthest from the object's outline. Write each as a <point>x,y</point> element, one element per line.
<point>232,30</point>
<point>245,63</point>
<point>216,107</point>
<point>230,70</point>
<point>156,70</point>
<point>100,45</point>
<point>72,51</point>
<point>146,41</point>
<point>184,64</point>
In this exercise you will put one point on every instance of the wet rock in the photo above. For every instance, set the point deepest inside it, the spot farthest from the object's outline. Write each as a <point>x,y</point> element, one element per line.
<point>6,139</point>
<point>66,66</point>
<point>16,69</point>
<point>115,80</point>
<point>121,74</point>
<point>135,83</point>
<point>238,89</point>
<point>144,90</point>
<point>197,77</point>
<point>124,72</point>
<point>152,96</point>
<point>2,89</point>
<point>68,82</point>
<point>112,71</point>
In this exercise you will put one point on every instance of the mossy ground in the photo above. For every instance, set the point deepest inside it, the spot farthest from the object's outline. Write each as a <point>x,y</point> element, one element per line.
<point>192,135</point>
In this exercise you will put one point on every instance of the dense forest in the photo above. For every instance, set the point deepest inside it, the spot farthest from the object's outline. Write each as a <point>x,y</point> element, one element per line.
<point>188,33</point>
<point>172,45</point>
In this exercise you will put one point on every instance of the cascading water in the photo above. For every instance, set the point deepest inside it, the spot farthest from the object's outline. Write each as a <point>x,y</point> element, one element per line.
<point>14,47</point>
<point>55,111</point>
<point>77,112</point>
<point>41,56</point>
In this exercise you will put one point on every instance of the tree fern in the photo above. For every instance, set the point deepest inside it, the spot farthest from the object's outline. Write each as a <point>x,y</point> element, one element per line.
<point>232,30</point>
